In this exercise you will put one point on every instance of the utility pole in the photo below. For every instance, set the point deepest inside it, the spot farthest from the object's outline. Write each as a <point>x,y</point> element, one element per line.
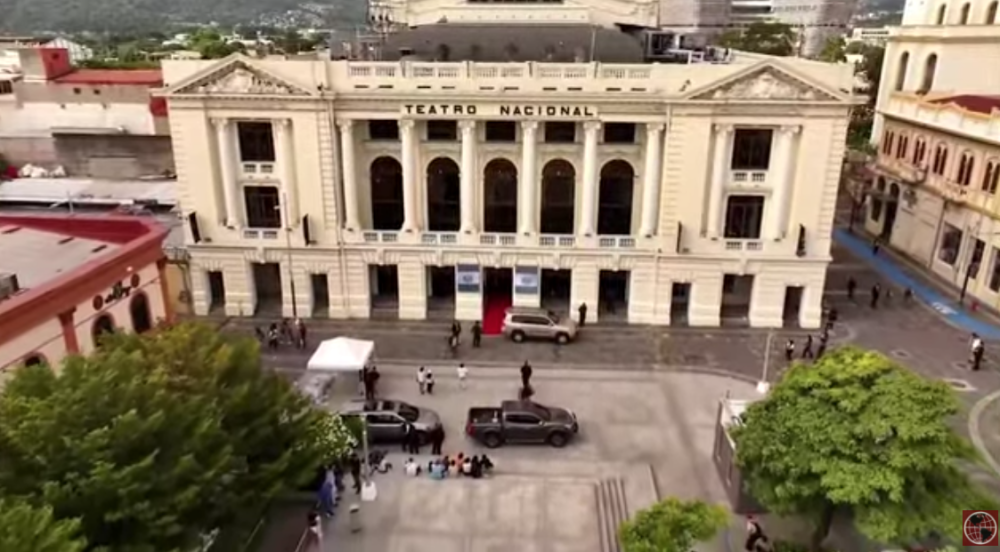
<point>763,386</point>
<point>288,250</point>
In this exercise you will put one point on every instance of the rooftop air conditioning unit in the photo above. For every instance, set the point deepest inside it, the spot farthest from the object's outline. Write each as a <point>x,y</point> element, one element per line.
<point>8,285</point>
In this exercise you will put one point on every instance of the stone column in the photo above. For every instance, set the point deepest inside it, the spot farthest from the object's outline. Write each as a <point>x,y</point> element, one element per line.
<point>468,176</point>
<point>720,174</point>
<point>409,155</point>
<point>286,162</point>
<point>227,168</point>
<point>529,175</point>
<point>651,180</point>
<point>781,182</point>
<point>588,212</point>
<point>349,175</point>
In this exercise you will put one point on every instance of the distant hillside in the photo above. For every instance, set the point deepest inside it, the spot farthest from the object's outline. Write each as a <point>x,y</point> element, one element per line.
<point>35,16</point>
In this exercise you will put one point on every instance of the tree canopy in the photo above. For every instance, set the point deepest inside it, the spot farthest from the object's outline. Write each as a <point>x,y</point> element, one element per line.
<point>856,432</point>
<point>672,525</point>
<point>762,37</point>
<point>24,528</point>
<point>834,50</point>
<point>156,439</point>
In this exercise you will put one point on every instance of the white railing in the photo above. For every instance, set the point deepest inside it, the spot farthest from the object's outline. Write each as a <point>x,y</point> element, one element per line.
<point>744,245</point>
<point>556,241</point>
<point>252,169</point>
<point>498,71</point>
<point>380,236</point>
<point>253,234</point>
<point>621,242</point>
<point>439,238</point>
<point>749,177</point>
<point>505,240</point>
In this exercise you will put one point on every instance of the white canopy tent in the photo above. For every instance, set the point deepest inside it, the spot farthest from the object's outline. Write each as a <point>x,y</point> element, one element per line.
<point>341,354</point>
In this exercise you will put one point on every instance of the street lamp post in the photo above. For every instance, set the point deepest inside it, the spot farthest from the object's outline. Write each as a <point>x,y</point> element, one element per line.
<point>288,251</point>
<point>763,386</point>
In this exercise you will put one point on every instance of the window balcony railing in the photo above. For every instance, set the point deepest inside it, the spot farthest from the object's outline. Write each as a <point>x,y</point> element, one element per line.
<point>380,236</point>
<point>260,234</point>
<point>439,238</point>
<point>744,245</point>
<point>748,177</point>
<point>616,242</point>
<point>556,241</point>
<point>503,240</point>
<point>257,170</point>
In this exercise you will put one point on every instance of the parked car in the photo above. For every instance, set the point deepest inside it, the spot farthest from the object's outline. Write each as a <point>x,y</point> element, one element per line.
<point>520,323</point>
<point>521,422</point>
<point>386,420</point>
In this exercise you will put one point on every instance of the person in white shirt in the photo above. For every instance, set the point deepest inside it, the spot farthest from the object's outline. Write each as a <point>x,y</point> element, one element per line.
<point>463,373</point>
<point>422,380</point>
<point>411,469</point>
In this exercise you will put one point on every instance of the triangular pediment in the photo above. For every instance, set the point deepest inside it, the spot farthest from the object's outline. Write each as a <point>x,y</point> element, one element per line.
<point>766,83</point>
<point>237,76</point>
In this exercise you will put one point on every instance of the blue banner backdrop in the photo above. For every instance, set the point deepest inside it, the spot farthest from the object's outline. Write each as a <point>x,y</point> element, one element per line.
<point>526,280</point>
<point>467,278</point>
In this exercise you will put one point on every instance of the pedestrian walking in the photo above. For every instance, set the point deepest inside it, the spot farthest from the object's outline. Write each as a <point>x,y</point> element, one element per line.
<point>300,329</point>
<point>463,373</point>
<point>259,334</point>
<point>526,375</point>
<point>429,382</point>
<point>477,334</point>
<point>876,245</point>
<point>581,311</point>
<point>907,296</point>
<point>852,285</point>
<point>371,376</point>
<point>422,380</point>
<point>354,466</point>
<point>790,350</point>
<point>456,331</point>
<point>286,332</point>
<point>831,318</point>
<point>437,440</point>
<point>977,352</point>
<point>876,293</point>
<point>273,337</point>
<point>338,475</point>
<point>314,531</point>
<point>412,439</point>
<point>807,349</point>
<point>756,541</point>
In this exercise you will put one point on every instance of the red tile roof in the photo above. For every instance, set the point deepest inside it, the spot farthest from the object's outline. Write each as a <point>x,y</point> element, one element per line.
<point>136,77</point>
<point>972,102</point>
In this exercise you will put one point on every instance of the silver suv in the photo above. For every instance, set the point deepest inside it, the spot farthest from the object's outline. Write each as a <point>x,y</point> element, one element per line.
<point>387,420</point>
<point>520,323</point>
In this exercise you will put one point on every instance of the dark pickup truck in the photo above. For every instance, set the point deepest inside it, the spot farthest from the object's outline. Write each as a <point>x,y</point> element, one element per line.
<point>521,422</point>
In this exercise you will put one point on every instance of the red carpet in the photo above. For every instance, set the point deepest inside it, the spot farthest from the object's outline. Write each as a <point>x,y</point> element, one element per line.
<point>493,312</point>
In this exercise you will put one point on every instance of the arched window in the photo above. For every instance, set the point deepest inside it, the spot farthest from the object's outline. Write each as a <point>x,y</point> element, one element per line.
<point>942,10</point>
<point>919,151</point>
<point>887,142</point>
<point>991,177</point>
<point>965,166</point>
<point>902,144</point>
<point>930,68</point>
<point>963,18</point>
<point>142,320</point>
<point>103,325</point>
<point>940,160</point>
<point>904,64</point>
<point>991,14</point>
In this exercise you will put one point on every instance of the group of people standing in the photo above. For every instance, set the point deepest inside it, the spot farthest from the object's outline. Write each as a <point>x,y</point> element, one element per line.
<point>455,337</point>
<point>288,332</point>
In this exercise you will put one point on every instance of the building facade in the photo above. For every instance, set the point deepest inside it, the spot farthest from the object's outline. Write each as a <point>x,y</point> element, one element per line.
<point>655,194</point>
<point>76,277</point>
<point>937,169</point>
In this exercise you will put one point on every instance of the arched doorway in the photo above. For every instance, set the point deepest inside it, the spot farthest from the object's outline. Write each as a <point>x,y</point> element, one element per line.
<point>142,320</point>
<point>614,211</point>
<point>387,194</point>
<point>890,209</point>
<point>558,197</point>
<point>500,196</point>
<point>901,70</point>
<point>930,70</point>
<point>103,325</point>
<point>444,210</point>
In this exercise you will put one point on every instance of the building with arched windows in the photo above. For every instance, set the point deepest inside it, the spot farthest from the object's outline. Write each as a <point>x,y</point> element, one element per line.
<point>65,280</point>
<point>937,135</point>
<point>687,193</point>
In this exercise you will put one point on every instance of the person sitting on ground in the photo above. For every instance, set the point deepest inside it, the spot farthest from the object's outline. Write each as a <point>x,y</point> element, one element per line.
<point>477,468</point>
<point>486,464</point>
<point>467,467</point>
<point>410,468</point>
<point>438,470</point>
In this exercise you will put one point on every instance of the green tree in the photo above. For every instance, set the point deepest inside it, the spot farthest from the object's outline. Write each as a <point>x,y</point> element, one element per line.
<point>156,439</point>
<point>24,528</point>
<point>672,525</point>
<point>834,50</point>
<point>762,37</point>
<point>862,117</point>
<point>856,433</point>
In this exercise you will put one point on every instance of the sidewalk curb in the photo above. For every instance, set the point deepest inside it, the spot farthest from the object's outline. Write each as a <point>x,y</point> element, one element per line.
<point>976,435</point>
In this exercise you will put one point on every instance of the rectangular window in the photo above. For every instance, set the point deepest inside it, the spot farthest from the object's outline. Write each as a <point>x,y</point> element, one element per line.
<point>951,242</point>
<point>263,206</point>
<point>256,141</point>
<point>379,129</point>
<point>743,217</point>
<point>978,249</point>
<point>901,145</point>
<point>442,131</point>
<point>752,149</point>
<point>557,132</point>
<point>995,272</point>
<point>619,133</point>
<point>501,131</point>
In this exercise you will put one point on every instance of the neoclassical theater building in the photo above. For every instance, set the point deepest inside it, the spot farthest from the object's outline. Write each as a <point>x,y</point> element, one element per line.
<point>656,193</point>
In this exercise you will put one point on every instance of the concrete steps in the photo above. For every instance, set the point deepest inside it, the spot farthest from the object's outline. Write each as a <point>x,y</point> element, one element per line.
<point>612,510</point>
